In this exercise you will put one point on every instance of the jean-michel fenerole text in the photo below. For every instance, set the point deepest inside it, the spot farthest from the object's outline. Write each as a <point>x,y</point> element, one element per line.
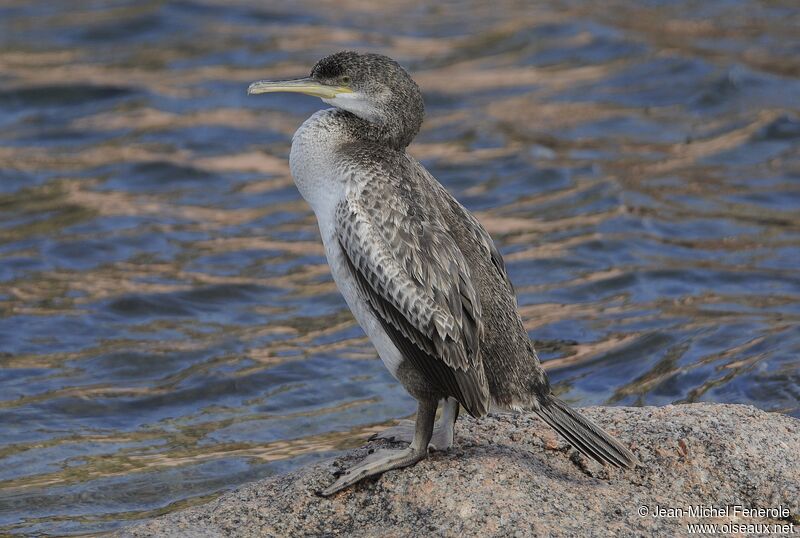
<point>707,511</point>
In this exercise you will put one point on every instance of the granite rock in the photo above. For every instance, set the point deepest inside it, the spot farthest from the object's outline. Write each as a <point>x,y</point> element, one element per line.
<point>510,475</point>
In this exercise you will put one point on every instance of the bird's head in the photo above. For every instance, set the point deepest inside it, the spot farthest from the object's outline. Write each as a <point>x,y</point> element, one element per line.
<point>372,87</point>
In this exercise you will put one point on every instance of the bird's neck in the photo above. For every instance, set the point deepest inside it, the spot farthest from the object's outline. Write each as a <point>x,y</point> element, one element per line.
<point>318,145</point>
<point>390,131</point>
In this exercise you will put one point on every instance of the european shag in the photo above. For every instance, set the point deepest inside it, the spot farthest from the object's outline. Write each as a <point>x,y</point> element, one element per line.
<point>419,272</point>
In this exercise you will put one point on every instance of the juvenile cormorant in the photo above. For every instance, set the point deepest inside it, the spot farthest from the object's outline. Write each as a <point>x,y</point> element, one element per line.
<point>419,272</point>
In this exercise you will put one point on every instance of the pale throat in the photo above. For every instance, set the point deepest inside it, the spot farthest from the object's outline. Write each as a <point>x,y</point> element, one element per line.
<point>358,104</point>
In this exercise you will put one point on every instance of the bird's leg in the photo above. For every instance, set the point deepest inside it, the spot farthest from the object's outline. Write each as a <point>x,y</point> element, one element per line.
<point>387,459</point>
<point>442,432</point>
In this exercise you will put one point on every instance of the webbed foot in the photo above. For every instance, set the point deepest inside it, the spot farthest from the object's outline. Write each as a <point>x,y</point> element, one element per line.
<point>376,463</point>
<point>388,459</point>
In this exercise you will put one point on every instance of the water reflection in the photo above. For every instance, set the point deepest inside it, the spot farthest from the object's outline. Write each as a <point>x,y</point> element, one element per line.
<point>168,326</point>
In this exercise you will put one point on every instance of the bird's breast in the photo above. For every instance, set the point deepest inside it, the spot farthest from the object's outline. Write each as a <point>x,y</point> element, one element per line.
<point>315,163</point>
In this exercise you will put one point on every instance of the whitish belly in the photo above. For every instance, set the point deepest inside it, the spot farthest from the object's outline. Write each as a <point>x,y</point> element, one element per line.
<point>347,285</point>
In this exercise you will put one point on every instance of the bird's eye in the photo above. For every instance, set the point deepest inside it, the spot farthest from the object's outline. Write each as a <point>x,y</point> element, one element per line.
<point>346,79</point>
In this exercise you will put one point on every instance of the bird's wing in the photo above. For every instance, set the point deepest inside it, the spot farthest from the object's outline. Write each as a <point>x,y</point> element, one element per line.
<point>472,224</point>
<point>418,283</point>
<point>484,239</point>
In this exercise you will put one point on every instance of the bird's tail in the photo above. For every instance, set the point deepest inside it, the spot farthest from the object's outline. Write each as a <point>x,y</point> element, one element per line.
<point>583,434</point>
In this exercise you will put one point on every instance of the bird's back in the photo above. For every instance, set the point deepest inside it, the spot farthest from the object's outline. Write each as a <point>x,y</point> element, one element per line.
<point>510,362</point>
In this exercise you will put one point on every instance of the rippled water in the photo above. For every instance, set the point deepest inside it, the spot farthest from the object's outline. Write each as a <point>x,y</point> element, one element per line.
<point>168,326</point>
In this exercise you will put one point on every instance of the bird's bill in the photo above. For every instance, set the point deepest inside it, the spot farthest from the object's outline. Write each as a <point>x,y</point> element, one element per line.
<point>307,86</point>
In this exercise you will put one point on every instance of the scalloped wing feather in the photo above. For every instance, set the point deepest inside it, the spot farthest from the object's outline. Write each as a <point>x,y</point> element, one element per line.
<point>418,283</point>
